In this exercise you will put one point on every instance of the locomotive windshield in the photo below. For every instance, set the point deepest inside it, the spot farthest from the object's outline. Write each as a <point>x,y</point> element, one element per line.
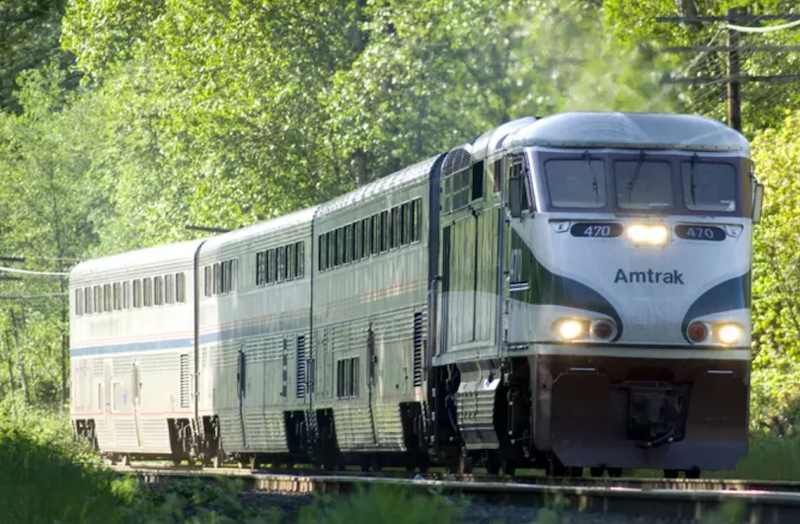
<point>576,183</point>
<point>644,183</point>
<point>709,186</point>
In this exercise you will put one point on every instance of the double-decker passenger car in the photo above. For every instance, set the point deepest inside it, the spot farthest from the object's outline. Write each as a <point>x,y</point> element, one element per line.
<point>562,292</point>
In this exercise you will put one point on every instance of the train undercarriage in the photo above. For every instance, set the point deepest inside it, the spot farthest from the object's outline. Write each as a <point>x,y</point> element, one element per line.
<point>557,413</point>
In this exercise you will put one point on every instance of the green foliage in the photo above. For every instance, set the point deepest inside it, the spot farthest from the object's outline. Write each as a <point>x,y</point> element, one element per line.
<point>776,278</point>
<point>202,127</point>
<point>634,23</point>
<point>41,480</point>
<point>29,39</point>
<point>770,457</point>
<point>383,505</point>
<point>729,513</point>
<point>52,208</point>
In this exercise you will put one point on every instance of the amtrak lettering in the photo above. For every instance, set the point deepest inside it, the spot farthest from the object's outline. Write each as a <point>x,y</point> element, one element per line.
<point>649,277</point>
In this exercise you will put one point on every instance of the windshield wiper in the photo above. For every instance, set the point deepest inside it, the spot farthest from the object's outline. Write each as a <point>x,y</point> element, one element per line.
<point>692,185</point>
<point>588,158</point>
<point>632,183</point>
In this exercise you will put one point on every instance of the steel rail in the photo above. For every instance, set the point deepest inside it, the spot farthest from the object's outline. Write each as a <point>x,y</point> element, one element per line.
<point>664,498</point>
<point>616,482</point>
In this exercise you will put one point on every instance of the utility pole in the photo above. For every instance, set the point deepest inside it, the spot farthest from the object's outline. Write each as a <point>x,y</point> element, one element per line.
<point>734,98</point>
<point>734,78</point>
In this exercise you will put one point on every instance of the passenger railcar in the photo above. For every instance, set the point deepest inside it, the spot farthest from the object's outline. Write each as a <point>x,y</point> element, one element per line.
<point>562,292</point>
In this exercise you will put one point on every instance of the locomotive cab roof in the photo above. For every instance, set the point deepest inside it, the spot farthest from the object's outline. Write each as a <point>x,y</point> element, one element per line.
<point>629,131</point>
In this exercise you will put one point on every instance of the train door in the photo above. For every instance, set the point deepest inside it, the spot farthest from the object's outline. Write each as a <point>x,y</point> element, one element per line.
<point>241,390</point>
<point>372,382</point>
<point>468,259</point>
<point>108,377</point>
<point>134,389</point>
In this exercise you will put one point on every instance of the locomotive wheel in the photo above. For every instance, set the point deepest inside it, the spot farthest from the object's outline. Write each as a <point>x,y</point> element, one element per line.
<point>492,464</point>
<point>555,469</point>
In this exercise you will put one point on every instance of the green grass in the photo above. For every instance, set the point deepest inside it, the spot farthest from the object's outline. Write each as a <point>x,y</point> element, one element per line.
<point>769,458</point>
<point>41,480</point>
<point>42,483</point>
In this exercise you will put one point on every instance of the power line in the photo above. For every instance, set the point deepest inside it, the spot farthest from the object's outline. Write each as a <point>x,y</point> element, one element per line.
<point>734,78</point>
<point>728,49</point>
<point>726,18</point>
<point>696,61</point>
<point>29,272</point>
<point>27,296</point>
<point>207,229</point>
<point>705,80</point>
<point>771,29</point>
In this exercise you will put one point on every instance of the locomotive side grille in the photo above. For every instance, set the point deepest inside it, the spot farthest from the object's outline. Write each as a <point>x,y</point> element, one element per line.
<point>417,349</point>
<point>185,393</point>
<point>301,366</point>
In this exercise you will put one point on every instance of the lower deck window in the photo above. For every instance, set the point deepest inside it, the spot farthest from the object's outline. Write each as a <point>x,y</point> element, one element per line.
<point>347,371</point>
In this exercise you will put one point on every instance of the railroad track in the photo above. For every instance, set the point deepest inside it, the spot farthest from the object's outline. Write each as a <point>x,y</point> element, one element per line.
<point>763,501</point>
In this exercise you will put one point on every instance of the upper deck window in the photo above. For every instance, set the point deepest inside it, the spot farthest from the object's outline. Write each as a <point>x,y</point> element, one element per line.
<point>709,186</point>
<point>576,183</point>
<point>645,185</point>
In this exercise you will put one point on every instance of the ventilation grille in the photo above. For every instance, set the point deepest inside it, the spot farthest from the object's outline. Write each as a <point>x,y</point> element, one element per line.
<point>301,367</point>
<point>417,349</point>
<point>185,393</point>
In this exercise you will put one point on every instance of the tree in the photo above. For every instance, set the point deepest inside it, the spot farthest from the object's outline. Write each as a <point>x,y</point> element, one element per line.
<point>776,272</point>
<point>634,23</point>
<point>29,38</point>
<point>52,208</point>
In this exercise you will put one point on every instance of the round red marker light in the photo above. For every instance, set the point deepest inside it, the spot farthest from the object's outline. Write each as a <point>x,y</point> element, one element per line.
<point>698,332</point>
<point>603,330</point>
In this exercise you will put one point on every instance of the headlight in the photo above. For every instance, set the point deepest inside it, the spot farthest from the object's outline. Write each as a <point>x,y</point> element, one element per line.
<point>584,329</point>
<point>729,333</point>
<point>569,329</point>
<point>654,235</point>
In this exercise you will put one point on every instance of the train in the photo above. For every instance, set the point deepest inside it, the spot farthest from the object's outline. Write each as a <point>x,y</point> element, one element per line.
<point>562,292</point>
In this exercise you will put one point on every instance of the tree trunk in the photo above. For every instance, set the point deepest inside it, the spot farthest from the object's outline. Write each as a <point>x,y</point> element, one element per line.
<point>20,363</point>
<point>64,360</point>
<point>9,361</point>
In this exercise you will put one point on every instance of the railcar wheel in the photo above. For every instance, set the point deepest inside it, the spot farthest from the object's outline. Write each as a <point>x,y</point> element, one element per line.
<point>466,465</point>
<point>596,472</point>
<point>614,472</point>
<point>671,473</point>
<point>692,473</point>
